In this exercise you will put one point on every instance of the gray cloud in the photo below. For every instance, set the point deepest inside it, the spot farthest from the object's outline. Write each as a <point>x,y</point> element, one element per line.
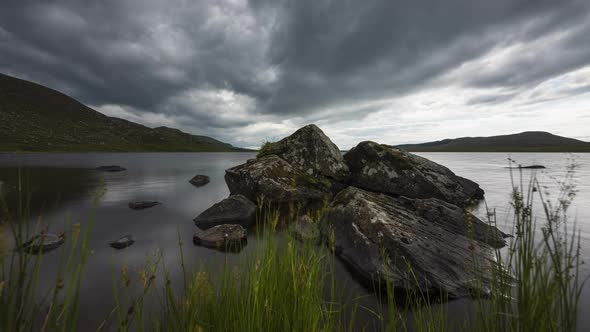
<point>223,67</point>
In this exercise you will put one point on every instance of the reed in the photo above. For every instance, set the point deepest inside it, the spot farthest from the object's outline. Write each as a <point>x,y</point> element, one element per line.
<point>536,281</point>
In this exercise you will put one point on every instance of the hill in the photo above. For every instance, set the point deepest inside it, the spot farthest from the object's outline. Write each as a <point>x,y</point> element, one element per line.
<point>529,141</point>
<point>36,118</point>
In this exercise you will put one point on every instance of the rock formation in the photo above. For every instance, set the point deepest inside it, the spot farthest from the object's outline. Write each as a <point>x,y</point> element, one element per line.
<point>393,216</point>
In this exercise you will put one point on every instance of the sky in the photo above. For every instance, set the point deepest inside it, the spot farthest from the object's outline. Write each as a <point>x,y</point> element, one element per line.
<point>244,72</point>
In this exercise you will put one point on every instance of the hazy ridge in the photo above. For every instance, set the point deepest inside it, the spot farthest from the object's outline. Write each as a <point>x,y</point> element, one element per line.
<point>36,118</point>
<point>529,141</point>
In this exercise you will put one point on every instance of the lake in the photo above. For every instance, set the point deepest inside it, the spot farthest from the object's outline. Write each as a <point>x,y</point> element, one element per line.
<point>62,187</point>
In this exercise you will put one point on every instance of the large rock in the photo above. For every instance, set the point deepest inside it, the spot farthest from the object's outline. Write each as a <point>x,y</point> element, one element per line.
<point>222,237</point>
<point>416,244</point>
<point>272,178</point>
<point>236,209</point>
<point>385,169</point>
<point>310,151</point>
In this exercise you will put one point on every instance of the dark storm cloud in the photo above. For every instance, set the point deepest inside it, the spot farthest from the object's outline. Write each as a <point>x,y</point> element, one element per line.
<point>210,66</point>
<point>373,49</point>
<point>135,53</point>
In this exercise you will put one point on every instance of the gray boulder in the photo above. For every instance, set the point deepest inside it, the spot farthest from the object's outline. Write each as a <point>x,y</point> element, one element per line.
<point>310,151</point>
<point>305,229</point>
<point>229,237</point>
<point>199,180</point>
<point>416,244</point>
<point>272,178</point>
<point>236,209</point>
<point>385,169</point>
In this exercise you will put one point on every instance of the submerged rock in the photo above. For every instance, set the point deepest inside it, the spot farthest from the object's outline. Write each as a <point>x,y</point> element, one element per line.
<point>236,209</point>
<point>416,244</point>
<point>228,237</point>
<point>385,169</point>
<point>43,243</point>
<point>111,168</point>
<point>140,205</point>
<point>529,167</point>
<point>123,242</point>
<point>199,180</point>
<point>272,178</point>
<point>305,229</point>
<point>311,152</point>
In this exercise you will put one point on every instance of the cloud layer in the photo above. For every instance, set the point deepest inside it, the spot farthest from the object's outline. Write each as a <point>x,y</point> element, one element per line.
<point>246,71</point>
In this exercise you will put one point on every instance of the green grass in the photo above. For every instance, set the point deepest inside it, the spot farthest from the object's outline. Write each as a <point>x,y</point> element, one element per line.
<point>267,148</point>
<point>285,285</point>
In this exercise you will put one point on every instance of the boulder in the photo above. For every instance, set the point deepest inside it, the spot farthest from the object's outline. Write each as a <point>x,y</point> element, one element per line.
<point>228,237</point>
<point>305,229</point>
<point>199,180</point>
<point>416,244</point>
<point>236,209</point>
<point>272,178</point>
<point>140,205</point>
<point>385,169</point>
<point>111,168</point>
<point>310,151</point>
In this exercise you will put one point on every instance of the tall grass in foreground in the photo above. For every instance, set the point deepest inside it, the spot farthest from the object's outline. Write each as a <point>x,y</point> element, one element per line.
<point>23,306</point>
<point>536,282</point>
<point>282,286</point>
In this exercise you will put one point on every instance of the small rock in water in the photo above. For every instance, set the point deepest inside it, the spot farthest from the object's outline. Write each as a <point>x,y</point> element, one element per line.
<point>228,237</point>
<point>123,242</point>
<point>199,180</point>
<point>42,243</point>
<point>142,205</point>
<point>111,168</point>
<point>529,167</point>
<point>236,209</point>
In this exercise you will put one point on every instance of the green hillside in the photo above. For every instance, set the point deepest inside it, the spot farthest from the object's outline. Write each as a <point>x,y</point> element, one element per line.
<point>37,118</point>
<point>529,141</point>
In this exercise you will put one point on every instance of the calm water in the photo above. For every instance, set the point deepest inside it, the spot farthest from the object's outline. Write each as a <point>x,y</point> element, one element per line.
<point>62,187</point>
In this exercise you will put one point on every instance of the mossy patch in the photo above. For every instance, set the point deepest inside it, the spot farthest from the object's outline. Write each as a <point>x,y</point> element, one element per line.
<point>399,159</point>
<point>268,148</point>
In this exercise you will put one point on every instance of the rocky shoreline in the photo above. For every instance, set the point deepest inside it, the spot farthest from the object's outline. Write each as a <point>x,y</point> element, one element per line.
<point>392,216</point>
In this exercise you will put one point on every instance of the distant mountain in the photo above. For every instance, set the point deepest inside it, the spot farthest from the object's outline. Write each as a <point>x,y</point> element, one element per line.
<point>36,118</point>
<point>528,141</point>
